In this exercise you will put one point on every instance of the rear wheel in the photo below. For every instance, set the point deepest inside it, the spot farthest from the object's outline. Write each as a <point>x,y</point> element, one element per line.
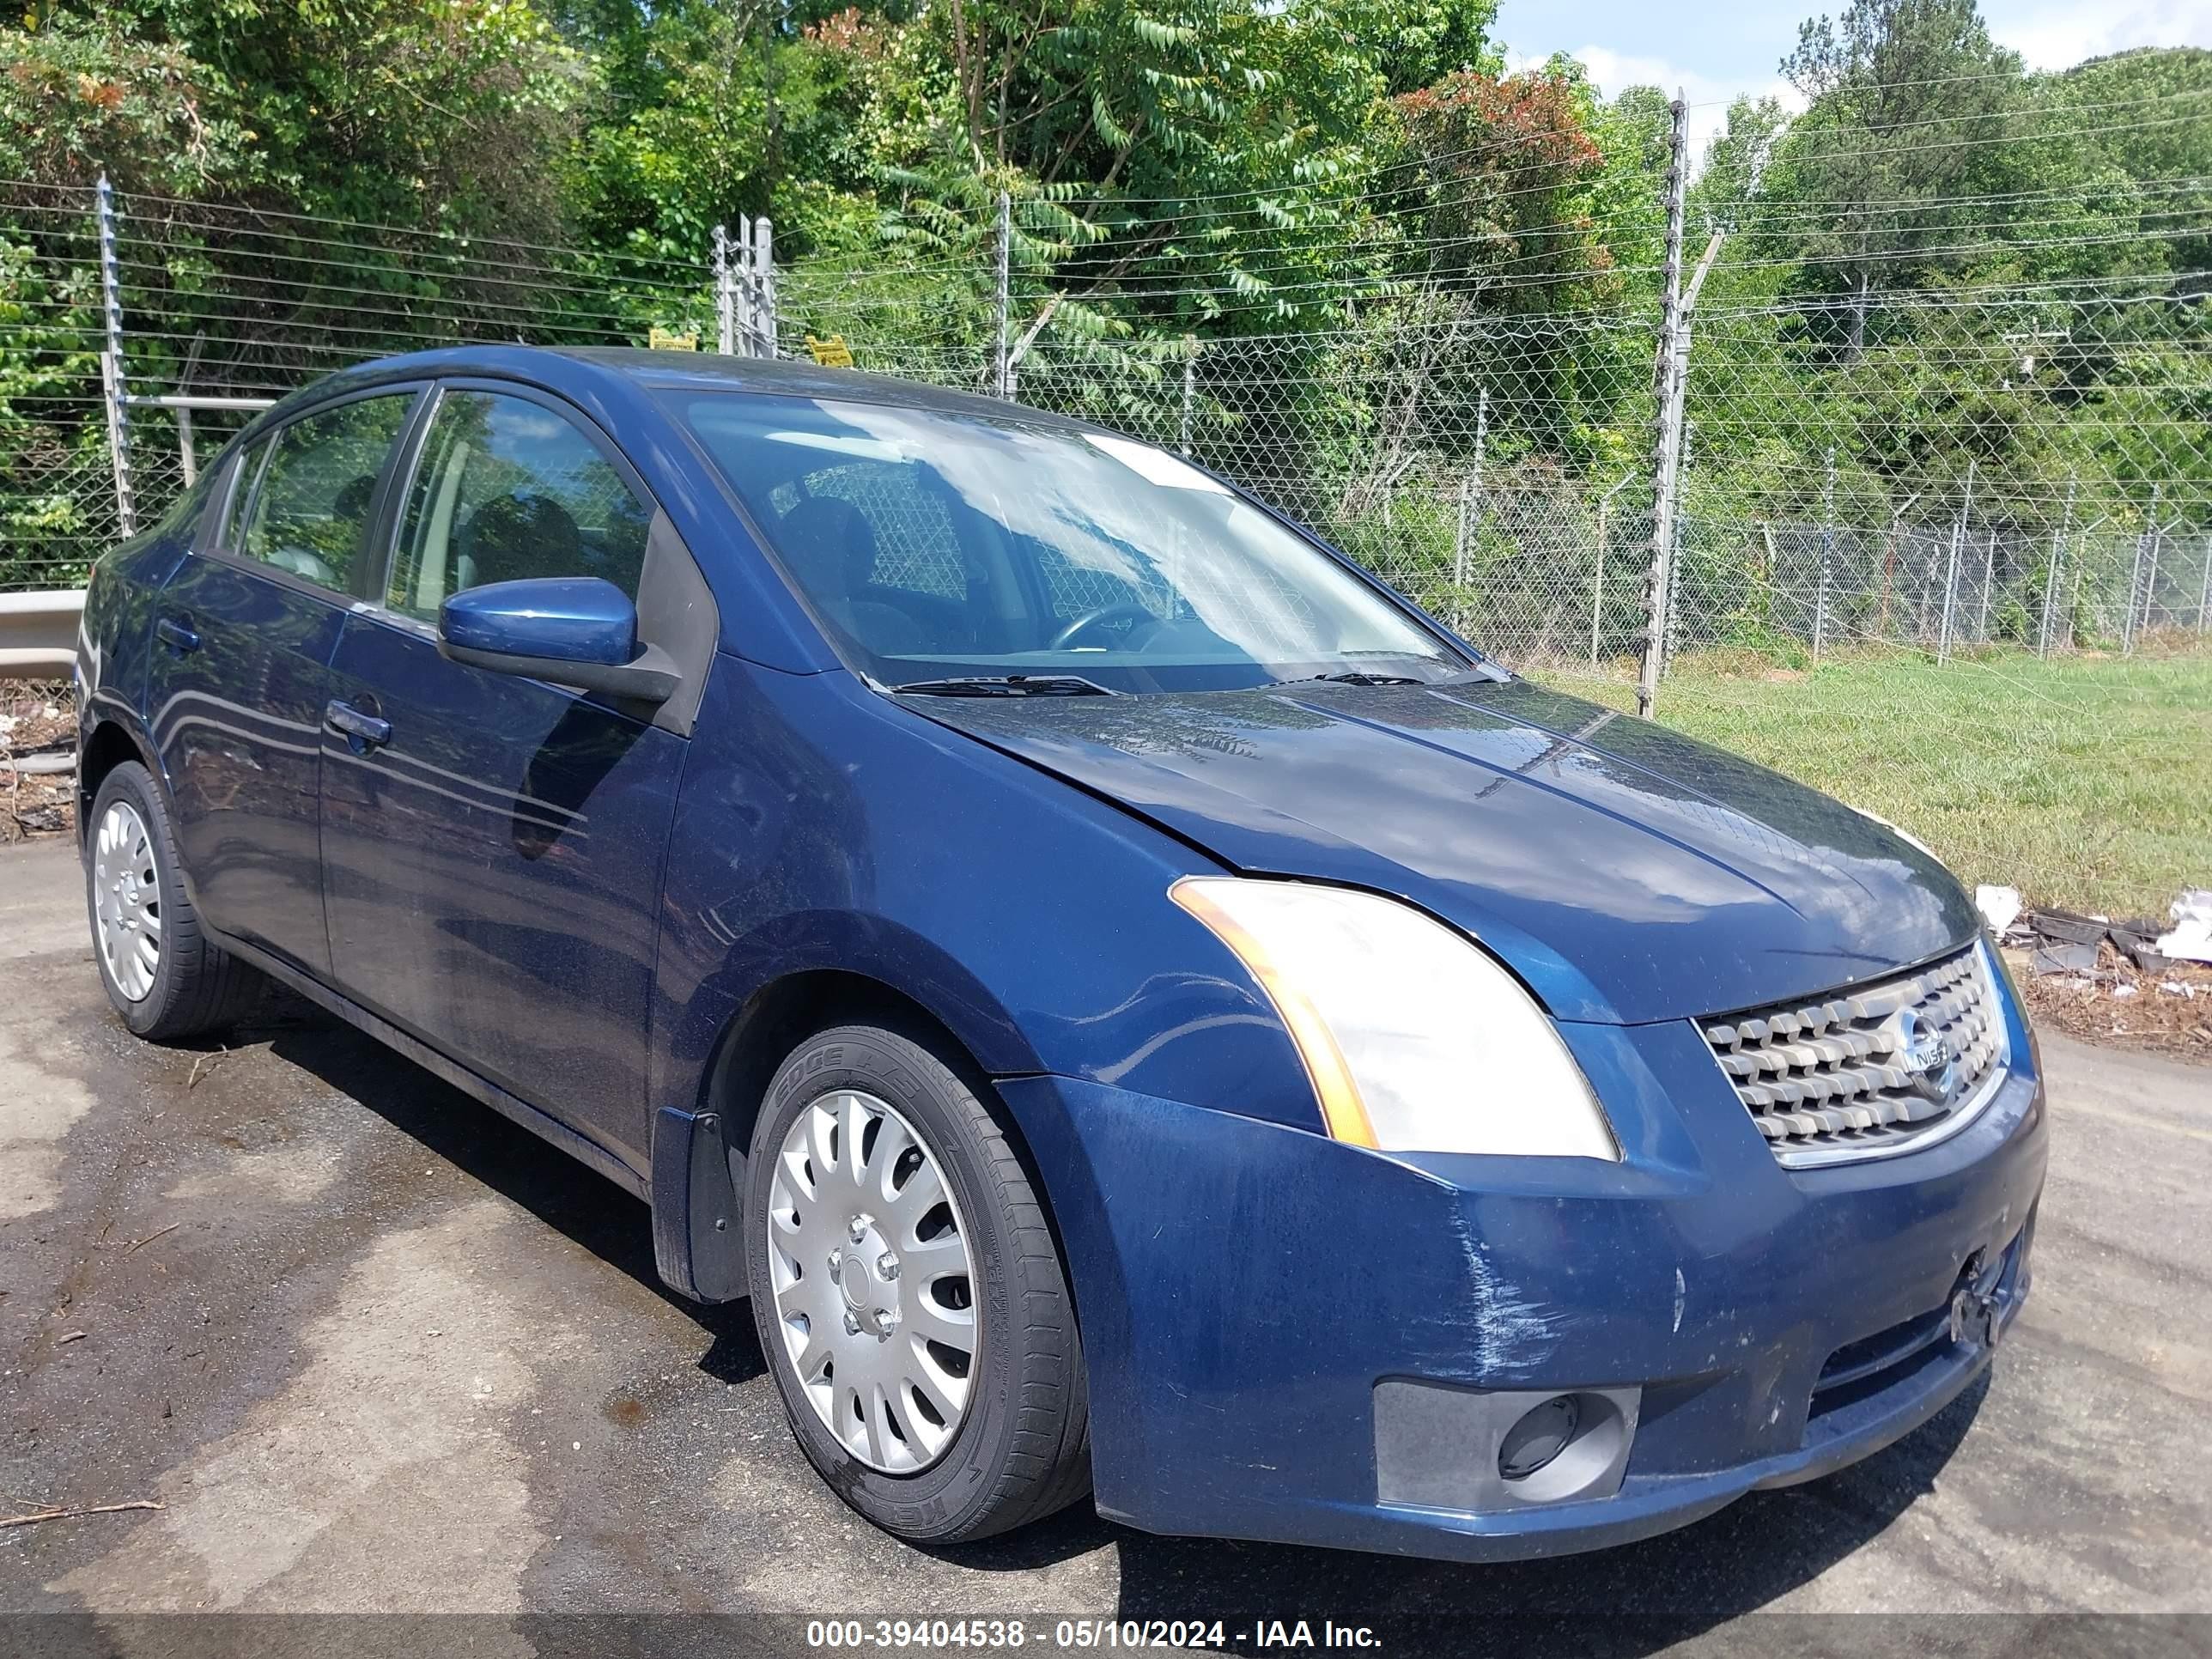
<point>162,974</point>
<point>909,1295</point>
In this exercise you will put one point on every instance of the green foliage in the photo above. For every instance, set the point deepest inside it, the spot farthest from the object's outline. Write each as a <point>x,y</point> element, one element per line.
<point>80,94</point>
<point>1356,191</point>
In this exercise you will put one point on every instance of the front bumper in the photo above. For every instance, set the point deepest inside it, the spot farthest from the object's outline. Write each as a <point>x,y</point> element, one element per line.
<point>1244,1288</point>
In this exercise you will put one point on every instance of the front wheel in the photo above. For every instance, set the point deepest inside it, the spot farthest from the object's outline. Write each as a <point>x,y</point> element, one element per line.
<point>909,1295</point>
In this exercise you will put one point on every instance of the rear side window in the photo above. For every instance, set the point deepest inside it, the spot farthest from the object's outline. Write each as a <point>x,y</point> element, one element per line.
<point>508,489</point>
<point>309,515</point>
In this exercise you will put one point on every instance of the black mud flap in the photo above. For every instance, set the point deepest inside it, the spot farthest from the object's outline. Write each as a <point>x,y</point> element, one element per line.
<point>697,1243</point>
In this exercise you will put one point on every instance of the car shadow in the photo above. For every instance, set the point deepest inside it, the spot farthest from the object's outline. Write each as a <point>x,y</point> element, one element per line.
<point>533,1174</point>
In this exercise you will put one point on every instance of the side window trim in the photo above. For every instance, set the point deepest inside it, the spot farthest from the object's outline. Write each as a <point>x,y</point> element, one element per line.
<point>414,446</point>
<point>671,578</point>
<point>265,441</point>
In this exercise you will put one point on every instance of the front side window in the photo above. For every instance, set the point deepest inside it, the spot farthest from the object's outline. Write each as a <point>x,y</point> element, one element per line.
<point>231,536</point>
<point>309,513</point>
<point>508,489</point>
<point>933,546</point>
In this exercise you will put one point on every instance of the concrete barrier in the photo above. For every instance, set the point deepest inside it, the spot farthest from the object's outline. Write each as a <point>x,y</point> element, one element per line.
<point>38,634</point>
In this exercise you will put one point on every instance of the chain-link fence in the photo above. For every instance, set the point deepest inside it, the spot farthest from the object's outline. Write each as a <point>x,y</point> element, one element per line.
<point>2028,464</point>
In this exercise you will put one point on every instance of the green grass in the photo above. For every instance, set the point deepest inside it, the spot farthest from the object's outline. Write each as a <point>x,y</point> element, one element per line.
<point>2086,782</point>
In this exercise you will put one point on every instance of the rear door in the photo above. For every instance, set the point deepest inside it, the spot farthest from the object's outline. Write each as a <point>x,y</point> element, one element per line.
<point>244,631</point>
<point>492,863</point>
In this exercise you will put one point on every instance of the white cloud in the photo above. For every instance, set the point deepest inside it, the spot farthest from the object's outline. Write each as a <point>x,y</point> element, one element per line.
<point>2054,36</point>
<point>1709,96</point>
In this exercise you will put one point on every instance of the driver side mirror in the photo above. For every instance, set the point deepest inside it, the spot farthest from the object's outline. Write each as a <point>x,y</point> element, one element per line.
<point>571,630</point>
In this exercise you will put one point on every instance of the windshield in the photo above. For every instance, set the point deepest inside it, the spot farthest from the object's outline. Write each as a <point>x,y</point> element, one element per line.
<point>942,549</point>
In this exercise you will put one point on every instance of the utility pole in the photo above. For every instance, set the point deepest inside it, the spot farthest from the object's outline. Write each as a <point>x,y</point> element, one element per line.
<point>1002,364</point>
<point>1669,378</point>
<point>110,363</point>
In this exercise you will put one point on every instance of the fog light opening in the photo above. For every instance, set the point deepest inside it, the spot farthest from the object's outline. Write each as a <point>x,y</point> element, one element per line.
<point>1539,1437</point>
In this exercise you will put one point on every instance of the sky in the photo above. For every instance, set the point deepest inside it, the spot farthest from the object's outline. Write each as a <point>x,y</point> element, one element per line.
<point>1713,52</point>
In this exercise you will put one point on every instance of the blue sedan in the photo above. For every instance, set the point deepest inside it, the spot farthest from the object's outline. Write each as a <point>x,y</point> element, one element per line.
<point>1139,1009</point>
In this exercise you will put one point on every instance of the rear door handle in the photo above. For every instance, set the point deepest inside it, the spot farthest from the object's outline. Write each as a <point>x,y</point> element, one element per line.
<point>176,635</point>
<point>365,729</point>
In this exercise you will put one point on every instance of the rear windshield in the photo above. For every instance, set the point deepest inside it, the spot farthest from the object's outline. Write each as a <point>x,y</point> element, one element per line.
<point>932,546</point>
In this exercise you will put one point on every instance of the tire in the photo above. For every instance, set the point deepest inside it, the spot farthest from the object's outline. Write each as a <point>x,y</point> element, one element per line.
<point>191,986</point>
<point>1019,1447</point>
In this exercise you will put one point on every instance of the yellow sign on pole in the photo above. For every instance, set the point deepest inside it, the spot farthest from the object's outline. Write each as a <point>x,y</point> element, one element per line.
<point>832,353</point>
<point>666,339</point>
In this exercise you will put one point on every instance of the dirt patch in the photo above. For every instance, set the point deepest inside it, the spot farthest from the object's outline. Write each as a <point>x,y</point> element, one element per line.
<point>37,722</point>
<point>2121,1006</point>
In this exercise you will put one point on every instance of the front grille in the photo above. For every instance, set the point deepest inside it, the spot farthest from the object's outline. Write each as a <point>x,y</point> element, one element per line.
<point>1857,1075</point>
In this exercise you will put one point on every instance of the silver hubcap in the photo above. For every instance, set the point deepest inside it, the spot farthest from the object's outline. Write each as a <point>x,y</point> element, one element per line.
<point>126,896</point>
<point>875,1289</point>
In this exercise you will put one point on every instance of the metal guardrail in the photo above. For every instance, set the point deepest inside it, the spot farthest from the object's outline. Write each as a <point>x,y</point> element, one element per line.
<point>38,634</point>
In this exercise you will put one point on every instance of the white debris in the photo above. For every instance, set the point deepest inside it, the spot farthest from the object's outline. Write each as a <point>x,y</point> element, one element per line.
<point>2175,988</point>
<point>2191,937</point>
<point>2000,907</point>
<point>2119,991</point>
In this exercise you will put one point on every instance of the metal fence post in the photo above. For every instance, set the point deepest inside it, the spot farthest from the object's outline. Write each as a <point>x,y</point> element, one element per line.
<point>2204,581</point>
<point>1670,377</point>
<point>765,277</point>
<point>2134,578</point>
<point>1001,363</point>
<point>2051,576</point>
<point>1827,555</point>
<point>1951,568</point>
<point>726,306</point>
<point>1189,388</point>
<point>115,388</point>
<point>1989,579</point>
<point>1597,577</point>
<point>2150,576</point>
<point>1470,496</point>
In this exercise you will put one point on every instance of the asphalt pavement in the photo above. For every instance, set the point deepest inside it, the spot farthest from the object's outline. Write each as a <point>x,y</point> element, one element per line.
<point>373,1349</point>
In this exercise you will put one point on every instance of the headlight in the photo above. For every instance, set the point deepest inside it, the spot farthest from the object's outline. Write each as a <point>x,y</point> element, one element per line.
<point>1415,1040</point>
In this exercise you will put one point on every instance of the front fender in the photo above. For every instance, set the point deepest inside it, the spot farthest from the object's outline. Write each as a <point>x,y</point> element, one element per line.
<point>821,826</point>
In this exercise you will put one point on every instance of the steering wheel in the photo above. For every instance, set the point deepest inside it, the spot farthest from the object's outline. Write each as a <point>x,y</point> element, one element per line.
<point>1097,619</point>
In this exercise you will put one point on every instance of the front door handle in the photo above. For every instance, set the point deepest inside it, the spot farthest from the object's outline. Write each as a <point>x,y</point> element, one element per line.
<point>177,636</point>
<point>365,730</point>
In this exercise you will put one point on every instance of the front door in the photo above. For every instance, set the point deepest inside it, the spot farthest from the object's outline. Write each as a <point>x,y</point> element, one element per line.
<point>492,848</point>
<point>240,675</point>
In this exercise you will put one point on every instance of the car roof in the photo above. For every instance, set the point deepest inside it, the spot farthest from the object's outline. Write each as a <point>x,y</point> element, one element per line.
<point>662,371</point>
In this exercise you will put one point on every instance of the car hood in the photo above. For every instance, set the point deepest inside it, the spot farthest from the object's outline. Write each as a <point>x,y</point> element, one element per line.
<point>1627,872</point>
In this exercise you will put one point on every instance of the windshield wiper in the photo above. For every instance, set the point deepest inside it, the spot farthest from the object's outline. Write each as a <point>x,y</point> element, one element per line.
<point>1006,685</point>
<point>1354,676</point>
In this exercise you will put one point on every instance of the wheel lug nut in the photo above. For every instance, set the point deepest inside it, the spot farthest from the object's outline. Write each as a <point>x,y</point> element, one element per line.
<point>852,1323</point>
<point>887,1266</point>
<point>836,1259</point>
<point>856,1230</point>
